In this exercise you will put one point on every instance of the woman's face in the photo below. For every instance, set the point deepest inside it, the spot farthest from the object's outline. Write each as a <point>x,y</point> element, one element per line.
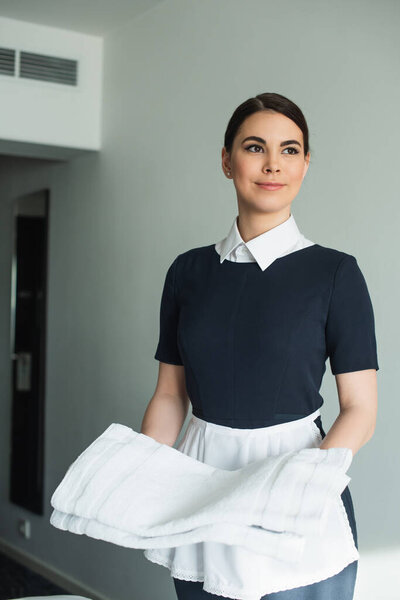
<point>268,158</point>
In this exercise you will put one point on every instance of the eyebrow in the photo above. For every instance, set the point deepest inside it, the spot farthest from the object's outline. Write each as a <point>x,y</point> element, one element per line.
<point>259,139</point>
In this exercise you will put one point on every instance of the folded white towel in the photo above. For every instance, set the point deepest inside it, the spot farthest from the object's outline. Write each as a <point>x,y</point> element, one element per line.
<point>129,489</point>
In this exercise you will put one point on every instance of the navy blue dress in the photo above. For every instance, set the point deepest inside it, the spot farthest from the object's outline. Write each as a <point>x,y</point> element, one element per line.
<point>245,333</point>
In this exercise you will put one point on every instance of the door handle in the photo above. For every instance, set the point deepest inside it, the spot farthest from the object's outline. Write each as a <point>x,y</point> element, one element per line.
<point>24,370</point>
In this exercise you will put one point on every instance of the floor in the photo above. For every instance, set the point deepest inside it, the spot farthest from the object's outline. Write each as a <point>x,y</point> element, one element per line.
<point>17,581</point>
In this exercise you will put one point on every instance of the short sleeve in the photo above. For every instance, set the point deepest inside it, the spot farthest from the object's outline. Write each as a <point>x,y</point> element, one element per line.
<point>167,349</point>
<point>350,325</point>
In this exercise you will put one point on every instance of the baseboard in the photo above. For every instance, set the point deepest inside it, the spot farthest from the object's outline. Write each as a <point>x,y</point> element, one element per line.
<point>49,572</point>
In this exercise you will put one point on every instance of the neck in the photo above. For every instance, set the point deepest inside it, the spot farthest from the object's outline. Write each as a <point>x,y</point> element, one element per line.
<point>251,224</point>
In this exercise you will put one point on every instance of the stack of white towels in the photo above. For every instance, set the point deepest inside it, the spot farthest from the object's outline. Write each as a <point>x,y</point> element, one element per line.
<point>128,489</point>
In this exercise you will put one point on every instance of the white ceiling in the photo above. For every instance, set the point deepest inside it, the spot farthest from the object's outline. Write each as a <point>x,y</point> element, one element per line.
<point>96,17</point>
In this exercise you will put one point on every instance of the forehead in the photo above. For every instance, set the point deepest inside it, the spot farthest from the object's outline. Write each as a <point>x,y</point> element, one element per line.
<point>269,125</point>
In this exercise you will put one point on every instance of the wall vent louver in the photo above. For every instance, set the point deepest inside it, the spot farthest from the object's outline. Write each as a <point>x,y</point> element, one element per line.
<point>7,61</point>
<point>48,68</point>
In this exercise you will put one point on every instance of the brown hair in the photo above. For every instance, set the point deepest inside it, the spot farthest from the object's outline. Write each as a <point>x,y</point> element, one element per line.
<point>268,101</point>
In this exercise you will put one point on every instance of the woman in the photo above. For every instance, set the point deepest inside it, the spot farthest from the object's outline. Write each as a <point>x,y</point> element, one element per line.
<point>246,326</point>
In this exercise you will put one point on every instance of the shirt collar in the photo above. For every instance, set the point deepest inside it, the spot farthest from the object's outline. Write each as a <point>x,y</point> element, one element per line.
<point>265,247</point>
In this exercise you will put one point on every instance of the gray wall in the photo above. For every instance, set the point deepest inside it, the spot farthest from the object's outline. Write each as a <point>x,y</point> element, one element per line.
<point>172,78</point>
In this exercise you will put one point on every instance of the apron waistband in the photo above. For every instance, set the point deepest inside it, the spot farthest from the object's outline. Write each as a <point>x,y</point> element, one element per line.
<point>258,430</point>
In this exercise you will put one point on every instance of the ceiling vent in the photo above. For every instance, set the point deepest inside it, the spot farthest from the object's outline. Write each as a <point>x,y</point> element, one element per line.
<point>39,66</point>
<point>7,61</point>
<point>48,68</point>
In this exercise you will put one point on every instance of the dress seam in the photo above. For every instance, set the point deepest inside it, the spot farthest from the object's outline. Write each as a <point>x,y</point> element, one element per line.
<point>334,285</point>
<point>289,353</point>
<point>234,317</point>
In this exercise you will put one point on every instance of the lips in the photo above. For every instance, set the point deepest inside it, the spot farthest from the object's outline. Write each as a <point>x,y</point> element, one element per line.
<point>271,186</point>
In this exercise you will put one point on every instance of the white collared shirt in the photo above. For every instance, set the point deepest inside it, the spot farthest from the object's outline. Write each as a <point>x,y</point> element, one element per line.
<point>264,248</point>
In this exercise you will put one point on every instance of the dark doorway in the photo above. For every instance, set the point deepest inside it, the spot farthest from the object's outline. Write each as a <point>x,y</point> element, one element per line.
<point>28,349</point>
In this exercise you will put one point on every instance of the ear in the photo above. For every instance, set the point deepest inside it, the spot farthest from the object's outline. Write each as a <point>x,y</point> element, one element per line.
<point>306,164</point>
<point>226,166</point>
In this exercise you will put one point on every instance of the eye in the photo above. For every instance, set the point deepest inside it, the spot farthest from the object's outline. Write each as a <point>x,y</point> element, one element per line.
<point>292,148</point>
<point>253,146</point>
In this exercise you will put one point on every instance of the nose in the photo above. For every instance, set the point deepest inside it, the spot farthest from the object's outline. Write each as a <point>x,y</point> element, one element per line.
<point>271,163</point>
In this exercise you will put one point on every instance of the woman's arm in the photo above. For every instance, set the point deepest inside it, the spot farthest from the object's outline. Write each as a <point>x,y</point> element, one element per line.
<point>358,399</point>
<point>167,409</point>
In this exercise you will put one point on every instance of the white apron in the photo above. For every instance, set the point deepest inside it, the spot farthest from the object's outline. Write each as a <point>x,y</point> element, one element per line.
<point>234,571</point>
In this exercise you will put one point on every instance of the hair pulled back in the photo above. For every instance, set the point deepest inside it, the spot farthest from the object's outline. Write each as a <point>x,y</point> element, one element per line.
<point>268,101</point>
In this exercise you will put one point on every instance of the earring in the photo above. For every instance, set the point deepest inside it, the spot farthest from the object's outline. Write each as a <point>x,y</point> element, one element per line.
<point>228,173</point>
